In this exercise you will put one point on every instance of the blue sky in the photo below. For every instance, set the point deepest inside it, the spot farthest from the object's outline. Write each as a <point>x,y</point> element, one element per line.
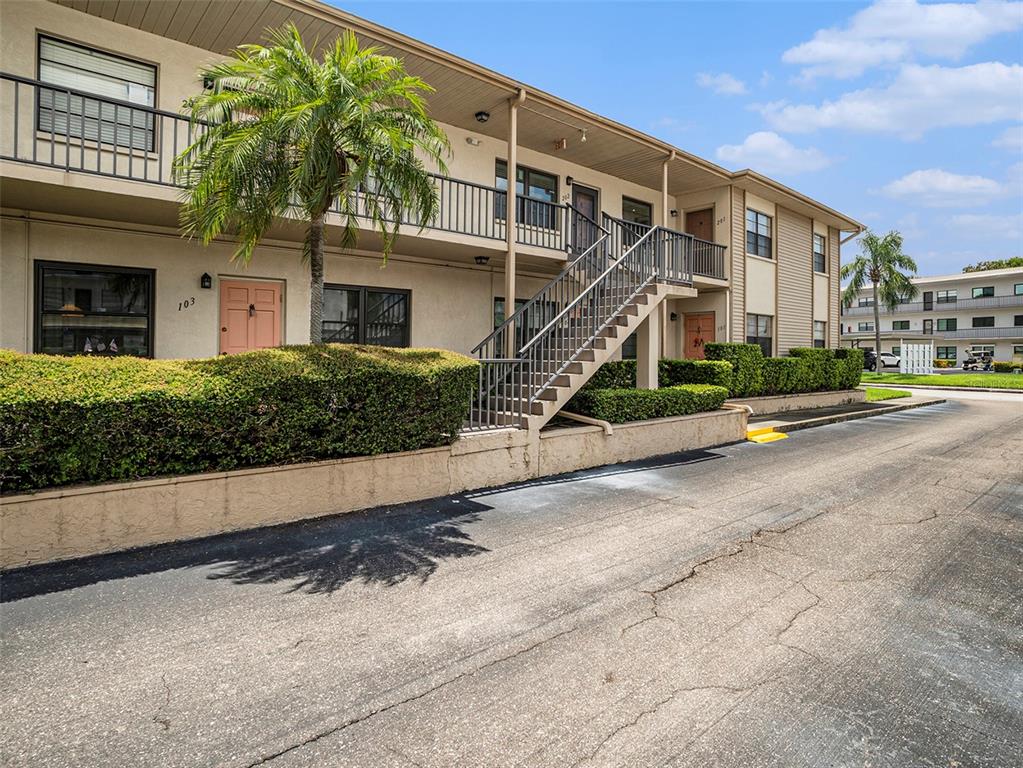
<point>903,115</point>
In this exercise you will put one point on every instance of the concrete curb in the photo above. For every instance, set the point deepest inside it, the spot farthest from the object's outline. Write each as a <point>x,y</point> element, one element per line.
<point>940,388</point>
<point>852,416</point>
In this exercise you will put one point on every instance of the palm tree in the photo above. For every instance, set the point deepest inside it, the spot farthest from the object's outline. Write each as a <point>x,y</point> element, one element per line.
<point>284,134</point>
<point>883,264</point>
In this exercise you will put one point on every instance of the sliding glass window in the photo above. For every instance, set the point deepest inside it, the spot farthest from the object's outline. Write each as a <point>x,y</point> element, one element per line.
<point>362,315</point>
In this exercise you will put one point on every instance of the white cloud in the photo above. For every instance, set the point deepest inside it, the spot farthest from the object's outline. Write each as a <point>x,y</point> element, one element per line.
<point>768,152</point>
<point>893,31</point>
<point>936,188</point>
<point>991,226</point>
<point>920,98</point>
<point>722,83</point>
<point>1011,138</point>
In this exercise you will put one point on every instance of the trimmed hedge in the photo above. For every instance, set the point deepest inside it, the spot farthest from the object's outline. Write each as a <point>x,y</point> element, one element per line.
<point>944,363</point>
<point>1002,366</point>
<point>822,370</point>
<point>615,374</point>
<point>784,375</point>
<point>851,367</point>
<point>747,365</point>
<point>671,373</point>
<point>85,419</point>
<point>622,405</point>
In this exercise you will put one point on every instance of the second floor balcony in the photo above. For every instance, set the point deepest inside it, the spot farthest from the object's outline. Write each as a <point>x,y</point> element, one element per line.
<point>78,132</point>
<point>938,306</point>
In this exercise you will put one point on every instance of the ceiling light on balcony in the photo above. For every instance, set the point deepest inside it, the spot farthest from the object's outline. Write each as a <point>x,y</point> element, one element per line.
<point>481,260</point>
<point>482,116</point>
<point>582,139</point>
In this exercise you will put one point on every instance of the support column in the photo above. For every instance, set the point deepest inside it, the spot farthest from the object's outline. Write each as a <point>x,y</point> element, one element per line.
<point>511,210</point>
<point>648,348</point>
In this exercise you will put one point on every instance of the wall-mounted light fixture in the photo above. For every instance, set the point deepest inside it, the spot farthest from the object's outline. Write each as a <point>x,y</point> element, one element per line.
<point>482,116</point>
<point>481,260</point>
<point>673,213</point>
<point>205,281</point>
<point>472,141</point>
<point>673,317</point>
<point>568,181</point>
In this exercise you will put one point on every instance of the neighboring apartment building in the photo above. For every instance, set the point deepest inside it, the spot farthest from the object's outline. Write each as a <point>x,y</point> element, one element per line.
<point>92,261</point>
<point>972,311</point>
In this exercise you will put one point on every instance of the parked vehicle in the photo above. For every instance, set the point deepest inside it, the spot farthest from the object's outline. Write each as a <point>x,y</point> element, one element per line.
<point>888,360</point>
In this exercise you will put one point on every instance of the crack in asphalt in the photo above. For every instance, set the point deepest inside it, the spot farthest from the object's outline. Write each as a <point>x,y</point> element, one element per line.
<point>362,718</point>
<point>164,720</point>
<point>736,689</point>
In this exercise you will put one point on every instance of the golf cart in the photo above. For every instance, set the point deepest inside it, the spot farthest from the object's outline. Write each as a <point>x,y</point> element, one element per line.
<point>977,360</point>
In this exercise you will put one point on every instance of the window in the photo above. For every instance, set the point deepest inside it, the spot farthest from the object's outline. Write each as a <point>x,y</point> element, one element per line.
<point>820,259</point>
<point>945,353</point>
<point>758,233</point>
<point>536,196</point>
<point>629,349</point>
<point>758,331</point>
<point>1017,289</point>
<point>357,315</point>
<point>983,322</point>
<point>107,76</point>
<point>1017,320</point>
<point>929,326</point>
<point>865,303</point>
<point>897,350</point>
<point>947,297</point>
<point>900,325</point>
<point>979,293</point>
<point>820,333</point>
<point>637,212</point>
<point>947,323</point>
<point>1017,349</point>
<point>93,310</point>
<point>865,327</point>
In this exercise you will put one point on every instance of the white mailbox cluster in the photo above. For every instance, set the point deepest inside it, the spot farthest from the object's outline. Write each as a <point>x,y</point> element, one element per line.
<point>917,358</point>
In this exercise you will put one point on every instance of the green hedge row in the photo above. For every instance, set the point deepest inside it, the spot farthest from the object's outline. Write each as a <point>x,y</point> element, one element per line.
<point>622,405</point>
<point>621,374</point>
<point>807,369</point>
<point>1004,366</point>
<point>83,420</point>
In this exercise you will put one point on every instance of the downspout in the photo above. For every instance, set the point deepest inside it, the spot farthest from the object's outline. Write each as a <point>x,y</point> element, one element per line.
<point>605,425</point>
<point>510,213</point>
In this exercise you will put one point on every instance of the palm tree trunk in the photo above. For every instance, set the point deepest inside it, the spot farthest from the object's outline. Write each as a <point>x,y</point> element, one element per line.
<point>314,247</point>
<point>877,333</point>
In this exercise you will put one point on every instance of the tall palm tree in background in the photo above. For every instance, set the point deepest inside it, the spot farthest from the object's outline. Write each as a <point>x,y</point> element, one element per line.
<point>881,263</point>
<point>284,134</point>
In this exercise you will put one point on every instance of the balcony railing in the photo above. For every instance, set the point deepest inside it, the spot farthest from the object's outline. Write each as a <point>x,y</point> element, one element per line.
<point>1009,332</point>
<point>704,258</point>
<point>72,130</point>
<point>984,302</point>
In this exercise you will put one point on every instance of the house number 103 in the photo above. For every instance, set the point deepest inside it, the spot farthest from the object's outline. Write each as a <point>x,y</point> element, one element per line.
<point>186,304</point>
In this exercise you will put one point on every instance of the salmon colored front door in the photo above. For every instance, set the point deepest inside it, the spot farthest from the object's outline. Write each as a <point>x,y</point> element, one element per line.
<point>250,315</point>
<point>699,330</point>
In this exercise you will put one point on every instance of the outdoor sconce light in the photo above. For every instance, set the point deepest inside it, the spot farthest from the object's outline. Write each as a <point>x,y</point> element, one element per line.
<point>569,180</point>
<point>673,213</point>
<point>481,260</point>
<point>482,116</point>
<point>472,141</point>
<point>205,281</point>
<point>673,317</point>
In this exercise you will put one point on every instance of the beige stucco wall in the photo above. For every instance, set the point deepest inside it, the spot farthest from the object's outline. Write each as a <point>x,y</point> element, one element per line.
<point>75,522</point>
<point>711,301</point>
<point>452,303</point>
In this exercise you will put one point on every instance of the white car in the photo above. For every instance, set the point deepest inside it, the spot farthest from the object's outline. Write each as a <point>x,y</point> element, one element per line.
<point>888,360</point>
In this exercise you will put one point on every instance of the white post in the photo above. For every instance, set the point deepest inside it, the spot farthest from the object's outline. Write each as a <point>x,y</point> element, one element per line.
<point>511,209</point>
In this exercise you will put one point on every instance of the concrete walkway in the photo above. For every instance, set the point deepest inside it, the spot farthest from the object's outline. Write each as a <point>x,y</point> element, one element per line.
<point>850,596</point>
<point>790,421</point>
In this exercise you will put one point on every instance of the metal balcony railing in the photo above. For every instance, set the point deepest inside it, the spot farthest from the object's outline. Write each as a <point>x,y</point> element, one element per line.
<point>984,302</point>
<point>1005,332</point>
<point>707,258</point>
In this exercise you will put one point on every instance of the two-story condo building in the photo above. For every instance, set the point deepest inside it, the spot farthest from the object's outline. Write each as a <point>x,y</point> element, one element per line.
<point>978,312</point>
<point>93,262</point>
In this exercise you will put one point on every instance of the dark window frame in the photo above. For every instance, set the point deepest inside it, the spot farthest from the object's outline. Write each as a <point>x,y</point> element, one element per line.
<point>942,353</point>
<point>900,325</point>
<point>861,329</point>
<point>984,323</point>
<point>39,265</point>
<point>150,128</point>
<point>640,204</point>
<point>1017,321</point>
<point>766,342</point>
<point>759,241</point>
<point>362,323</point>
<point>822,342</point>
<point>1017,289</point>
<point>950,296</point>
<point>946,320</point>
<point>529,215</point>
<point>820,258</point>
<point>986,291</point>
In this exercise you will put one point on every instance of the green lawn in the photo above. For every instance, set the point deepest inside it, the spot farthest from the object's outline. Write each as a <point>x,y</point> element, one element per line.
<point>874,394</point>
<point>996,380</point>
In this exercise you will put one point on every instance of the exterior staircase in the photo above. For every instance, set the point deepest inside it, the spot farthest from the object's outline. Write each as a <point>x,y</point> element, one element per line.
<point>534,362</point>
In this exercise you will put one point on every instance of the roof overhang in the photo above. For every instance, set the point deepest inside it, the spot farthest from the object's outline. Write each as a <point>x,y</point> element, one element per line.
<point>789,198</point>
